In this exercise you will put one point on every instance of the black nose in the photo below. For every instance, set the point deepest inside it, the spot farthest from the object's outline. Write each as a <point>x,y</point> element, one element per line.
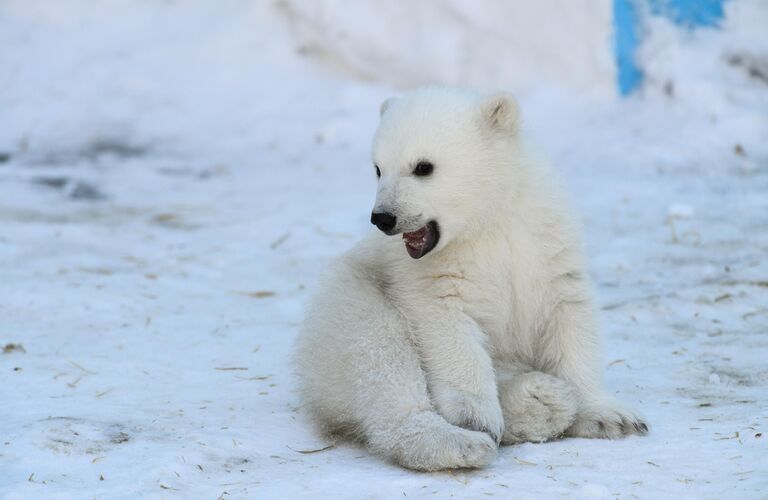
<point>384,221</point>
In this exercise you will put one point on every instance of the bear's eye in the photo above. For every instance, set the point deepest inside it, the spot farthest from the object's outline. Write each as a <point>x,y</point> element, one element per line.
<point>423,168</point>
<point>378,172</point>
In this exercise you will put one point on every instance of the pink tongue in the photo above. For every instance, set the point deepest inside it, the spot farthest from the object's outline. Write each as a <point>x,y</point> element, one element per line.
<point>415,242</point>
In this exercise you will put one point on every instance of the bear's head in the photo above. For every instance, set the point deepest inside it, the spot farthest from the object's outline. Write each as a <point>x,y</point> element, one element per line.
<point>444,158</point>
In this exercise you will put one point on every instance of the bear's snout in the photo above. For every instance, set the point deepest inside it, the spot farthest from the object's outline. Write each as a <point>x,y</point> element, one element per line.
<point>384,221</point>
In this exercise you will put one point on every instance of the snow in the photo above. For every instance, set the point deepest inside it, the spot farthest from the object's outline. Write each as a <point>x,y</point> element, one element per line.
<point>458,43</point>
<point>178,174</point>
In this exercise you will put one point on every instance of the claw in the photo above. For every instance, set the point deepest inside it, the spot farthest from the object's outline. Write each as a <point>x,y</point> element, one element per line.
<point>496,437</point>
<point>493,435</point>
<point>601,425</point>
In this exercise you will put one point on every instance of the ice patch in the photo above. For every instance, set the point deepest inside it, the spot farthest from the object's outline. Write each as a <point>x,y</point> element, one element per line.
<point>593,490</point>
<point>680,211</point>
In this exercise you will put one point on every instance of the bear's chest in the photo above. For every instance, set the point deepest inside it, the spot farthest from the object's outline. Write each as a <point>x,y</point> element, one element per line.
<point>506,299</point>
<point>498,284</point>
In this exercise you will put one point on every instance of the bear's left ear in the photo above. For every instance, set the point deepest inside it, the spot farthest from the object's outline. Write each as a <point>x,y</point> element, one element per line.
<point>385,105</point>
<point>500,112</point>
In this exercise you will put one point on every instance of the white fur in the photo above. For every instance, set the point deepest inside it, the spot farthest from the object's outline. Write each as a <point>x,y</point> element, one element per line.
<point>491,336</point>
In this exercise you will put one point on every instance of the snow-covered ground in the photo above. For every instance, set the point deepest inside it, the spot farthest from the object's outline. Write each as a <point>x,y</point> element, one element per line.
<point>173,177</point>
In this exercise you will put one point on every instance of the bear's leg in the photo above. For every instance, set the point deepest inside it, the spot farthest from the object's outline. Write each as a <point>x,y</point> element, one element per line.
<point>396,417</point>
<point>361,376</point>
<point>571,348</point>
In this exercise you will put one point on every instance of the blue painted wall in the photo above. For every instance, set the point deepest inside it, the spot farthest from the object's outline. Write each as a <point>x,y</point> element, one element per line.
<point>627,19</point>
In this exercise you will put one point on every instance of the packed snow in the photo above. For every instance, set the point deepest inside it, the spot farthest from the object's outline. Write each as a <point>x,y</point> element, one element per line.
<point>173,176</point>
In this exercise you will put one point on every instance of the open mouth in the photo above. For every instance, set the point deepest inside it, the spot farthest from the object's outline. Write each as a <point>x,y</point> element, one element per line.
<point>420,243</point>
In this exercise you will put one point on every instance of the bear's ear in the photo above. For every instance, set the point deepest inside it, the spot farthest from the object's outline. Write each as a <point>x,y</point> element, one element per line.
<point>385,105</point>
<point>500,112</point>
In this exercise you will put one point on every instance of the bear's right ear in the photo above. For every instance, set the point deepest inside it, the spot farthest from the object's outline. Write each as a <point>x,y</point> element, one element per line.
<point>500,112</point>
<point>385,105</point>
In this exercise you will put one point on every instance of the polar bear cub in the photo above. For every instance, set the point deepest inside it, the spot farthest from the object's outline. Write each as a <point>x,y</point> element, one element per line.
<point>476,326</point>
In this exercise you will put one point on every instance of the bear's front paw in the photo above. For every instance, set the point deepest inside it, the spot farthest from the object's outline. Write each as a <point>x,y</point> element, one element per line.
<point>470,411</point>
<point>537,407</point>
<point>607,420</point>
